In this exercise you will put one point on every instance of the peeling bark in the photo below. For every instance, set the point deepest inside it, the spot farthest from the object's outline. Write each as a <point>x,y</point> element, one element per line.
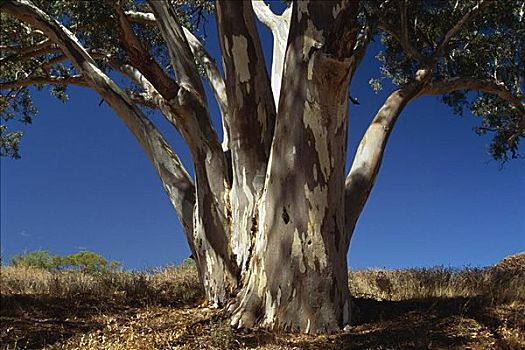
<point>251,118</point>
<point>298,273</point>
<point>212,217</point>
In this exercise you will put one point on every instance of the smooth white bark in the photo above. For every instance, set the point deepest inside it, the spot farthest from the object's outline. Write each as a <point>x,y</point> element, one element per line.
<point>280,27</point>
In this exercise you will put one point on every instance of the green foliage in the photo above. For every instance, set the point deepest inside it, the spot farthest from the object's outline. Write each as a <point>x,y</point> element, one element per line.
<point>88,262</point>
<point>40,259</point>
<point>85,261</point>
<point>489,46</point>
<point>9,142</point>
<point>188,263</point>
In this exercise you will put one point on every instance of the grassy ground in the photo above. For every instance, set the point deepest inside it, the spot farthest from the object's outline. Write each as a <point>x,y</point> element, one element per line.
<point>402,309</point>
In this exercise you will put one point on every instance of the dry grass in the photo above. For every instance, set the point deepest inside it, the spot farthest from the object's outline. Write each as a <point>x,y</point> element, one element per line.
<point>495,284</point>
<point>436,308</point>
<point>168,286</point>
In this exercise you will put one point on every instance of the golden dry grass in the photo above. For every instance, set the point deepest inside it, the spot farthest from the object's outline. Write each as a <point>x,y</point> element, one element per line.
<point>434,308</point>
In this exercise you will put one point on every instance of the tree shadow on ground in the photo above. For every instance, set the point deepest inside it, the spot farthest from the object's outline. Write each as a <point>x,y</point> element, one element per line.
<point>33,322</point>
<point>432,323</point>
<point>36,320</point>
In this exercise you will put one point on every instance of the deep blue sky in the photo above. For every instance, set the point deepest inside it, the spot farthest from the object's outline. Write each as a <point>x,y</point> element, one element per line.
<point>84,183</point>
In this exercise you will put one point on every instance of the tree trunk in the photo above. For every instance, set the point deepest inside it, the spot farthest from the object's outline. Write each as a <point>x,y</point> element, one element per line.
<point>290,234</point>
<point>297,274</point>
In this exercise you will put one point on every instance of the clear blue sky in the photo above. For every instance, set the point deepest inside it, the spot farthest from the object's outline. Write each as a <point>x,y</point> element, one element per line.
<point>84,183</point>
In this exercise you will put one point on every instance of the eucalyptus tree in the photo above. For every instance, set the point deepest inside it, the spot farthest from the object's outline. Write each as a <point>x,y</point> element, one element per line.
<point>270,213</point>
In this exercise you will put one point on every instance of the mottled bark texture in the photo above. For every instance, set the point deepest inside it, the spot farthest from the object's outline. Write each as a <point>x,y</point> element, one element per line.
<point>270,216</point>
<point>297,274</point>
<point>251,118</point>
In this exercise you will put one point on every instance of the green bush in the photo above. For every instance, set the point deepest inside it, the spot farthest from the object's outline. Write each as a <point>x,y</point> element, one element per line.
<point>85,261</point>
<point>40,259</point>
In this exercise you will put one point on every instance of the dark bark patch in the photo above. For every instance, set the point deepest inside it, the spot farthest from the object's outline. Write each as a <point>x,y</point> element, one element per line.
<point>286,217</point>
<point>336,233</point>
<point>253,229</point>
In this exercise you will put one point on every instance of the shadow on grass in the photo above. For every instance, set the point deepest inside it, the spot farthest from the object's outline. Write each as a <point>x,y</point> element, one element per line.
<point>35,321</point>
<point>433,323</point>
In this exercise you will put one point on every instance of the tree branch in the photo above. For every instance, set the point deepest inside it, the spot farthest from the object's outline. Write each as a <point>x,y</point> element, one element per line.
<point>265,14</point>
<point>483,85</point>
<point>42,48</point>
<point>487,86</point>
<point>410,50</point>
<point>279,26</point>
<point>142,98</point>
<point>174,177</point>
<point>211,171</point>
<point>369,154</point>
<point>404,21</point>
<point>480,6</point>
<point>215,79</point>
<point>180,52</point>
<point>204,58</point>
<point>141,58</point>
<point>143,18</point>
<point>251,106</point>
<point>362,42</point>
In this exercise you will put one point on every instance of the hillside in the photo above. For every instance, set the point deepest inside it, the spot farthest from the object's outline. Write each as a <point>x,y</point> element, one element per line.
<point>439,308</point>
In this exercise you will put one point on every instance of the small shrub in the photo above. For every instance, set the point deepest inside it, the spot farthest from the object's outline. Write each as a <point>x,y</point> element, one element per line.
<point>85,261</point>
<point>39,259</point>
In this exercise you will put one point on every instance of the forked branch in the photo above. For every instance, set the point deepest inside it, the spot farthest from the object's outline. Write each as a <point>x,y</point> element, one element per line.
<point>279,25</point>
<point>205,60</point>
<point>471,14</point>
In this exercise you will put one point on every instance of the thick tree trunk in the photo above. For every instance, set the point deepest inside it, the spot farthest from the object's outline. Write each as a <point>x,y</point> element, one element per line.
<point>297,273</point>
<point>211,239</point>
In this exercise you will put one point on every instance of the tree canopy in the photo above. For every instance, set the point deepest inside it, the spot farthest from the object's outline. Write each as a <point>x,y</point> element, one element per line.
<point>478,58</point>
